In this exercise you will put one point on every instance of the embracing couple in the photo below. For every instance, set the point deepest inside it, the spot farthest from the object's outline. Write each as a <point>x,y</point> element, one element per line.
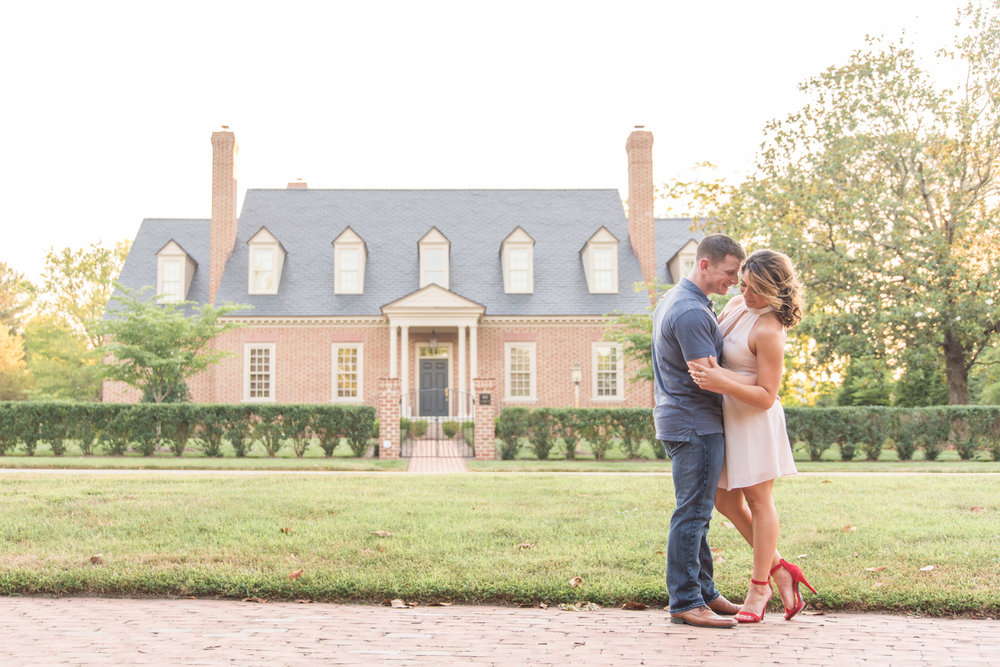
<point>717,415</point>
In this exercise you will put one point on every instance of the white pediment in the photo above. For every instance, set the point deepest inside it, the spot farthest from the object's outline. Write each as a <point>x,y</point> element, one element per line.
<point>349,236</point>
<point>434,236</point>
<point>519,236</point>
<point>172,249</point>
<point>601,236</point>
<point>263,236</point>
<point>431,300</point>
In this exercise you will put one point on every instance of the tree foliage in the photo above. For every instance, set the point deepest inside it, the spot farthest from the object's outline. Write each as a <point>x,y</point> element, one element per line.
<point>60,361</point>
<point>156,347</point>
<point>14,378</point>
<point>14,297</point>
<point>884,189</point>
<point>77,284</point>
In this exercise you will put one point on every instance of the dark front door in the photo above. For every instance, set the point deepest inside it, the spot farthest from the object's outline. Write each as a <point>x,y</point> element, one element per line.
<point>433,387</point>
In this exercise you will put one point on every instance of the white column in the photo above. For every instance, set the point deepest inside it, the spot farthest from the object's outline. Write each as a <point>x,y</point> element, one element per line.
<point>463,396</point>
<point>474,352</point>
<point>404,385</point>
<point>393,352</point>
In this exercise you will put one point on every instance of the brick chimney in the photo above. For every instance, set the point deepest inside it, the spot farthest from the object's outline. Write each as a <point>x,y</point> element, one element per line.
<point>223,235</point>
<point>298,184</point>
<point>641,228</point>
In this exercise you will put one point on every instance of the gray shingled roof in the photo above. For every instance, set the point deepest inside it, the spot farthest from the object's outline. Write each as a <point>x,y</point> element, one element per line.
<point>391,222</point>
<point>154,233</point>
<point>672,234</point>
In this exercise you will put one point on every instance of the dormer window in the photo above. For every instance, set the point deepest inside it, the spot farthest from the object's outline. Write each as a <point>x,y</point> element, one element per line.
<point>683,262</point>
<point>516,255</point>
<point>600,262</point>
<point>434,251</point>
<point>349,258</point>
<point>267,258</point>
<point>174,271</point>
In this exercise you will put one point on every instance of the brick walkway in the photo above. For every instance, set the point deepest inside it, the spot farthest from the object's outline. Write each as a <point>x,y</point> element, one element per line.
<point>434,456</point>
<point>97,631</point>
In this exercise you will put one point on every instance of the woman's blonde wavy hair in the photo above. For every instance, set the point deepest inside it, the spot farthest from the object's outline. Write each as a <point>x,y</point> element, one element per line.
<point>772,275</point>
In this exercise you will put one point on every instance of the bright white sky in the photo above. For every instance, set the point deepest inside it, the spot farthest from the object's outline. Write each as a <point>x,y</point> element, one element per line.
<point>108,106</point>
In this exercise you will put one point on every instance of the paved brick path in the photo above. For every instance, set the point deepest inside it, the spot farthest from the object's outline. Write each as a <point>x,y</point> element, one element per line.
<point>432,456</point>
<point>97,631</point>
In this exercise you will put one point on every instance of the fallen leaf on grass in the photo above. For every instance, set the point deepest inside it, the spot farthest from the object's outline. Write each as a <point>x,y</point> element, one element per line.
<point>849,529</point>
<point>295,575</point>
<point>878,568</point>
<point>726,524</point>
<point>96,560</point>
<point>366,551</point>
<point>532,605</point>
<point>286,530</point>
<point>802,556</point>
<point>878,584</point>
<point>576,581</point>
<point>382,533</point>
<point>927,568</point>
<point>304,601</point>
<point>826,481</point>
<point>716,550</point>
<point>718,559</point>
<point>525,545</point>
<point>659,553</point>
<point>254,599</point>
<point>438,604</point>
<point>637,606</point>
<point>977,510</point>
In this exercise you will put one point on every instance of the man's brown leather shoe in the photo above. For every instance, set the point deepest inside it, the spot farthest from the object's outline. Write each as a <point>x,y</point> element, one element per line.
<point>721,605</point>
<point>703,617</point>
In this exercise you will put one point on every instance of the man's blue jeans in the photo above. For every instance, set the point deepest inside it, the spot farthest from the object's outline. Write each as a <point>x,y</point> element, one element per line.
<point>697,464</point>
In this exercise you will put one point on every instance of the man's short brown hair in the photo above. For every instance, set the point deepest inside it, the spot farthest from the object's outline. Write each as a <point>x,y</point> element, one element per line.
<point>716,247</point>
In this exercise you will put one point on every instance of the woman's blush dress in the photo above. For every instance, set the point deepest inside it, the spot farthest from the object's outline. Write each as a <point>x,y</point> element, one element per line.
<point>757,447</point>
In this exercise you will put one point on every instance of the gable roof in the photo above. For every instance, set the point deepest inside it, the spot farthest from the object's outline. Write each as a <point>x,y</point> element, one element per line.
<point>391,222</point>
<point>140,266</point>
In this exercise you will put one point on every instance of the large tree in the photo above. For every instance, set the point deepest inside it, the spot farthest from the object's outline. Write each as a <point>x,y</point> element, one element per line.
<point>155,347</point>
<point>60,361</point>
<point>14,297</point>
<point>77,284</point>
<point>884,189</point>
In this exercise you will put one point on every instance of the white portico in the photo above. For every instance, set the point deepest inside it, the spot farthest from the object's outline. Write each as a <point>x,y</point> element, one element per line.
<point>419,318</point>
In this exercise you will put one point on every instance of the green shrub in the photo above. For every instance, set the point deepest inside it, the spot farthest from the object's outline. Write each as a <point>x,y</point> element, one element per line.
<point>542,424</point>
<point>419,427</point>
<point>469,434</point>
<point>511,426</point>
<point>848,451</point>
<point>404,428</point>
<point>450,428</point>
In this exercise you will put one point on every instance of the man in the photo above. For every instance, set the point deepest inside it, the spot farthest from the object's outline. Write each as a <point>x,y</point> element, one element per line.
<point>689,424</point>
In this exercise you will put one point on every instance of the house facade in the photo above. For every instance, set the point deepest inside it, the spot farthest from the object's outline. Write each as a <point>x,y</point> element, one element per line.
<point>433,289</point>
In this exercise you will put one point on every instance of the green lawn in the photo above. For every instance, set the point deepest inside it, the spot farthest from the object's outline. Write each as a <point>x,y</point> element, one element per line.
<point>457,538</point>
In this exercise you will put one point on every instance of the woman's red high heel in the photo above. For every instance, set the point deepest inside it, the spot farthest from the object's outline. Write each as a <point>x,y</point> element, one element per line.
<point>797,578</point>
<point>743,616</point>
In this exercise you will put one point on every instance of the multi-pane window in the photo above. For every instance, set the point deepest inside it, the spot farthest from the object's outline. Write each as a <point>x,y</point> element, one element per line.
<point>259,373</point>
<point>349,270</point>
<point>171,280</point>
<point>519,267</point>
<point>520,363</point>
<point>263,270</point>
<point>604,270</point>
<point>607,371</point>
<point>434,266</point>
<point>347,368</point>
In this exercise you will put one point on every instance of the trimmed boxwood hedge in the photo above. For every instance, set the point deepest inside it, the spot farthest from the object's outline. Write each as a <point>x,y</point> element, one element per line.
<point>146,427</point>
<point>967,429</point>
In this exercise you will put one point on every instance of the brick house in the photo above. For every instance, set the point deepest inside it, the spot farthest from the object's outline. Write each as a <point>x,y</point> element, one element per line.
<point>431,288</point>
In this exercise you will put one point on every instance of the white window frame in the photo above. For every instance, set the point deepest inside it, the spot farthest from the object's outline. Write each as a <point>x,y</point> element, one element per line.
<point>264,241</point>
<point>532,369</point>
<point>434,241</point>
<point>619,371</point>
<point>604,272</point>
<point>335,373</point>
<point>600,242</point>
<point>163,264</point>
<point>518,242</point>
<point>254,254</point>
<point>247,348</point>
<point>344,245</point>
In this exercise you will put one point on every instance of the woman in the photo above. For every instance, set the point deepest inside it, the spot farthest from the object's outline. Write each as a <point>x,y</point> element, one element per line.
<point>757,448</point>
